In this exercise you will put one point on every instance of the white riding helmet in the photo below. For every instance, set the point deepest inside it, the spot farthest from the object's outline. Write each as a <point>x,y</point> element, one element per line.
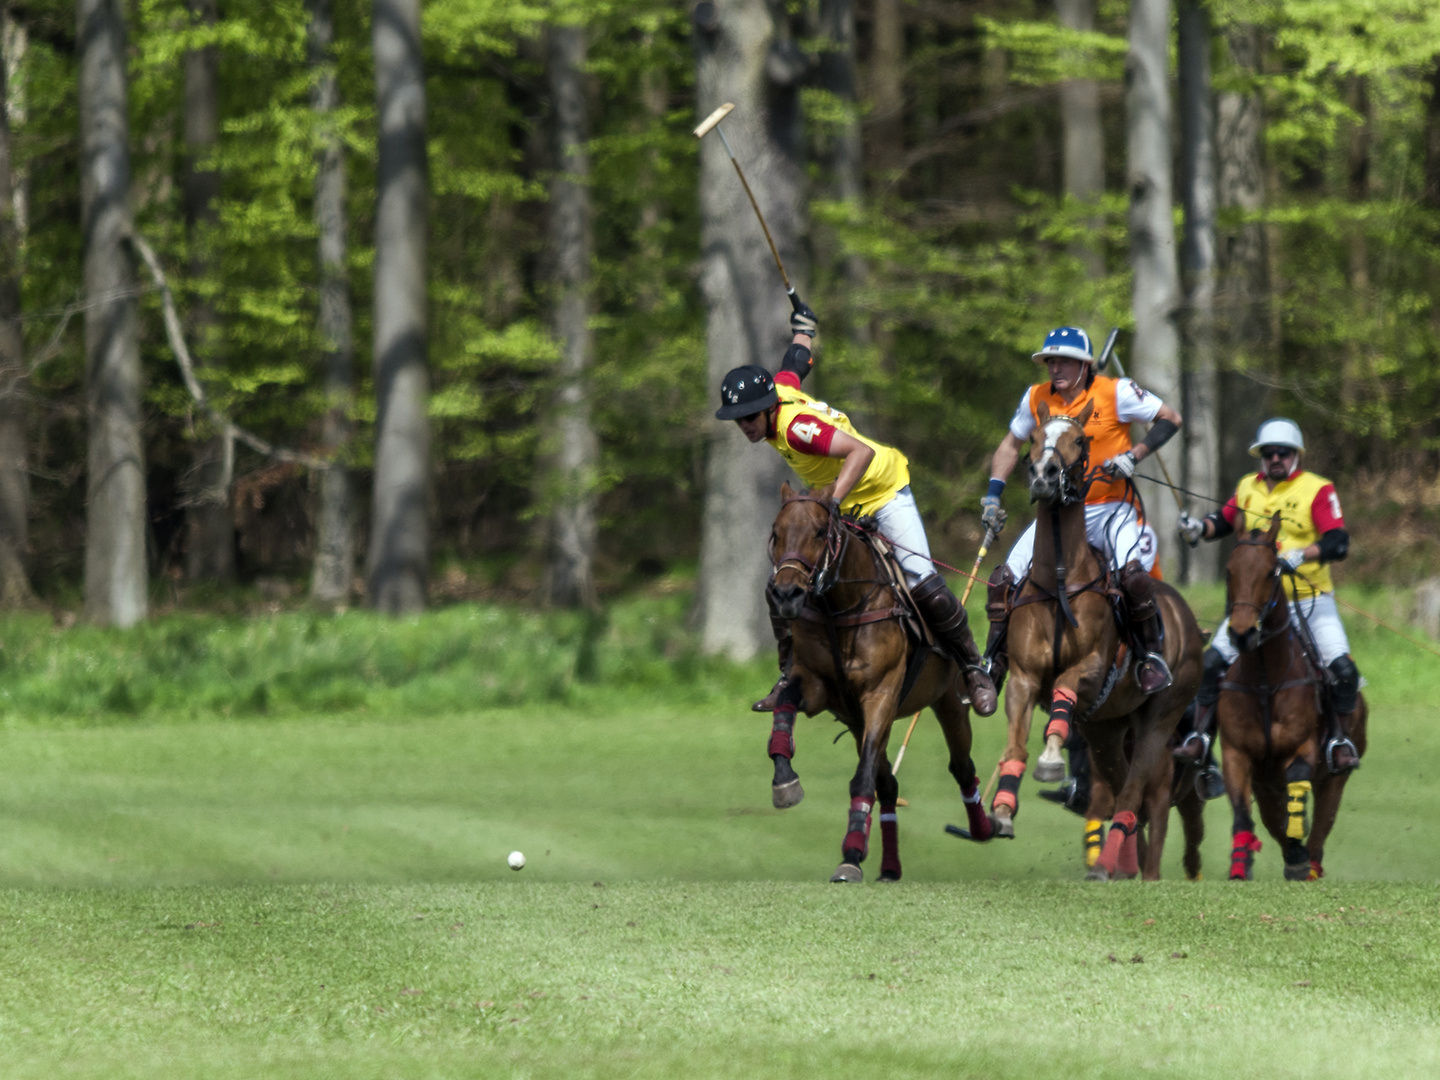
<point>1278,432</point>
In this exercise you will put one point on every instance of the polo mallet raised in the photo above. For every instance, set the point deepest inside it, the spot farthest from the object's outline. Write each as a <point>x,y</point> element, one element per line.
<point>1107,356</point>
<point>713,121</point>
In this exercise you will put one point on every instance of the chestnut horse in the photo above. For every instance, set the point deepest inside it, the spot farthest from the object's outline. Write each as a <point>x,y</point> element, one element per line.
<point>1271,723</point>
<point>853,657</point>
<point>1063,647</point>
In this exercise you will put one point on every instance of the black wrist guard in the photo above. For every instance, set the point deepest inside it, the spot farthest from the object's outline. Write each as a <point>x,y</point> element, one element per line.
<point>1160,433</point>
<point>1218,525</point>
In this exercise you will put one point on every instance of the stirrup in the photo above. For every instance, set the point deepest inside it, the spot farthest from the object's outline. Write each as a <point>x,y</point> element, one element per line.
<point>1336,744</point>
<point>1209,784</point>
<point>1154,660</point>
<point>1195,738</point>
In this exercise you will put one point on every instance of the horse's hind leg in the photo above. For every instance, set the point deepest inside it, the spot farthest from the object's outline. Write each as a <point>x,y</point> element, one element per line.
<point>1192,820</point>
<point>1157,808</point>
<point>1328,791</point>
<point>785,789</point>
<point>954,720</point>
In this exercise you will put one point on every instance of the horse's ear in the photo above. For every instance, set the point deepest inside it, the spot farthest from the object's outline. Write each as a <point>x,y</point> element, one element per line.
<point>1042,410</point>
<point>1084,417</point>
<point>1274,529</point>
<point>786,491</point>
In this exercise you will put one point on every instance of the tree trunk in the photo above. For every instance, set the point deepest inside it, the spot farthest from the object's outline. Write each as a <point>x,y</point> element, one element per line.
<point>886,134</point>
<point>1200,388</point>
<point>15,588</point>
<point>570,451</point>
<point>335,528</point>
<point>209,522</point>
<point>745,301</point>
<point>115,568</point>
<point>1244,295</point>
<point>1354,388</point>
<point>1084,143</point>
<point>399,534</point>
<point>1156,296</point>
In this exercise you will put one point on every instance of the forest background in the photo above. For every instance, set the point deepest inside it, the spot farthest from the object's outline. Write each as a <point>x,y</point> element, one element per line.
<point>503,202</point>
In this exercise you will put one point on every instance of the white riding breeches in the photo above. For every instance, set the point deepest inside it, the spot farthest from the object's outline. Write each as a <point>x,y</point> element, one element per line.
<point>899,521</point>
<point>1113,527</point>
<point>1325,626</point>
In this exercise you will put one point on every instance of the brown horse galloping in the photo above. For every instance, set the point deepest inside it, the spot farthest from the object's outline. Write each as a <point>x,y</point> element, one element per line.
<point>1063,645</point>
<point>1271,724</point>
<point>853,657</point>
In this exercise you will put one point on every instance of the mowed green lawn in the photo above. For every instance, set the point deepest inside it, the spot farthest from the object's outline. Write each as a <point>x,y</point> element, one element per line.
<point>329,897</point>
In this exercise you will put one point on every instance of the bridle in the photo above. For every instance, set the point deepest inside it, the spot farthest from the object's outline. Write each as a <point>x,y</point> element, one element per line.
<point>817,576</point>
<point>1075,478</point>
<point>1263,612</point>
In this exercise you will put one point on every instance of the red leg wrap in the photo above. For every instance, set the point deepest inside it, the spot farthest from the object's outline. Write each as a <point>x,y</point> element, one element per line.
<point>1242,855</point>
<point>857,836</point>
<point>1316,871</point>
<point>782,733</point>
<point>889,840</point>
<point>1062,711</point>
<point>1122,832</point>
<point>981,827</point>
<point>1130,855</point>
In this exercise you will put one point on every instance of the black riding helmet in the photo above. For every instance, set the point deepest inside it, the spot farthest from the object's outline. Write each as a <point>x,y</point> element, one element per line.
<point>746,391</point>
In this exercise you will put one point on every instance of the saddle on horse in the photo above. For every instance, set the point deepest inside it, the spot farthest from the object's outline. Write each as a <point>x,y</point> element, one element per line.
<point>1136,614</point>
<point>930,613</point>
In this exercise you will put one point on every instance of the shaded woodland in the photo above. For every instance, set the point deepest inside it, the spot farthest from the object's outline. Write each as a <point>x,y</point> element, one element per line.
<point>454,284</point>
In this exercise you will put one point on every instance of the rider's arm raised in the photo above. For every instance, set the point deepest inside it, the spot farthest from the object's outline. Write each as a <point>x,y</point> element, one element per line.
<point>798,361</point>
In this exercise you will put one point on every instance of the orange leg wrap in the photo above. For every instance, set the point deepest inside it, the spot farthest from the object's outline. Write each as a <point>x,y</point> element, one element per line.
<point>1062,712</point>
<point>1008,791</point>
<point>1122,833</point>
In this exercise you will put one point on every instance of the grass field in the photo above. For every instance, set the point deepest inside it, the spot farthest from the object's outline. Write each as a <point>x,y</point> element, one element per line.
<point>301,895</point>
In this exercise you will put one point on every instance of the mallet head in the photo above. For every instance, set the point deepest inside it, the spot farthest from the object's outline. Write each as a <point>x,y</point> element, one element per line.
<point>714,119</point>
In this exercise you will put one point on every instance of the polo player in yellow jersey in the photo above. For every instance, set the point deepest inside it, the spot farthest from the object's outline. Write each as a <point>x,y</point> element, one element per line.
<point>1312,535</point>
<point>1112,522</point>
<point>866,478</point>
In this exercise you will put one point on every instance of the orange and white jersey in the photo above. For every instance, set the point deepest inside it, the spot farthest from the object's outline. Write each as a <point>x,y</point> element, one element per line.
<point>1117,404</point>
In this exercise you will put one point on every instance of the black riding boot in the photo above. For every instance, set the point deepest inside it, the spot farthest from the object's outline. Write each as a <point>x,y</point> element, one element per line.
<point>1195,746</point>
<point>1152,674</point>
<point>942,612</point>
<point>785,646</point>
<point>1340,753</point>
<point>997,610</point>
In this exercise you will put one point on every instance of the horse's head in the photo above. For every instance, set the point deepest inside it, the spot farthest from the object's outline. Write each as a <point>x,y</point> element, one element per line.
<point>802,544</point>
<point>1252,584</point>
<point>1059,456</point>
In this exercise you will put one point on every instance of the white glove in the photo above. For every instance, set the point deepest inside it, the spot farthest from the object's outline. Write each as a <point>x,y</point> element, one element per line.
<point>1192,530</point>
<point>1122,465</point>
<point>1293,558</point>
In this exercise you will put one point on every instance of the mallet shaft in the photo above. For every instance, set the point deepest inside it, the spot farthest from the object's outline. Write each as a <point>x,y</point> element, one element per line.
<point>904,743</point>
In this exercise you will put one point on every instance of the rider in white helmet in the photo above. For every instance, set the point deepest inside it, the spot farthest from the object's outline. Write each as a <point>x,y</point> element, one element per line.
<point>1312,535</point>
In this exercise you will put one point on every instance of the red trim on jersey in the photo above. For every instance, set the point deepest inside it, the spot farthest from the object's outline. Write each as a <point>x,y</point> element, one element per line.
<point>1325,510</point>
<point>787,378</point>
<point>813,435</point>
<point>1231,512</point>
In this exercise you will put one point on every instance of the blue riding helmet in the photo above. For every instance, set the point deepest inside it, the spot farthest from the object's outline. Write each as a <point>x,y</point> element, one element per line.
<point>1068,341</point>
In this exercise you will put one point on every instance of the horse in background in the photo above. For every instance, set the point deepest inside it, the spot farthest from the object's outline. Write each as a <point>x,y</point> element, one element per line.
<point>853,656</point>
<point>1271,718</point>
<point>1065,650</point>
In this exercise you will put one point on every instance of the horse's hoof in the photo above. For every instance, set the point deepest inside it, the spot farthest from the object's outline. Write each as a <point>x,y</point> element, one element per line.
<point>1097,873</point>
<point>889,875</point>
<point>1298,871</point>
<point>786,795</point>
<point>1004,826</point>
<point>848,873</point>
<point>1047,772</point>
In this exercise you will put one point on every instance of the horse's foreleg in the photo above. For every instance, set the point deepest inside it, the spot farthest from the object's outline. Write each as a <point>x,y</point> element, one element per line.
<point>1019,705</point>
<point>954,720</point>
<point>1192,821</point>
<point>1244,843</point>
<point>785,789</point>
<point>1051,765</point>
<point>887,791</point>
<point>1157,810</point>
<point>879,710</point>
<point>1298,776</point>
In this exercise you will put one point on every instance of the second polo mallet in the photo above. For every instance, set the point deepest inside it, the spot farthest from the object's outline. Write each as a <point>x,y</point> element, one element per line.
<point>1106,358</point>
<point>713,121</point>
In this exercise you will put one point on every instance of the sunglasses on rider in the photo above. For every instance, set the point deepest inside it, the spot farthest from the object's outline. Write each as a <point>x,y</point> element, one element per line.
<point>1268,452</point>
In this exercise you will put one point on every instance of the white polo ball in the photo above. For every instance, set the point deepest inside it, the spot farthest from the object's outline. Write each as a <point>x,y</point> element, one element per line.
<point>516,860</point>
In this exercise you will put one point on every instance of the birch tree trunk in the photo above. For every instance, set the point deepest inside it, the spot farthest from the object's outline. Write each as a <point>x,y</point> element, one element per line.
<point>1084,146</point>
<point>1156,296</point>
<point>209,523</point>
<point>15,588</point>
<point>335,525</point>
<point>399,533</point>
<point>1200,389</point>
<point>1244,295</point>
<point>115,568</point>
<point>745,302</point>
<point>571,451</point>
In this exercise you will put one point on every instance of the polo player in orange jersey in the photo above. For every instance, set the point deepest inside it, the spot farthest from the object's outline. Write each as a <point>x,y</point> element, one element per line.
<point>1112,521</point>
<point>865,477</point>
